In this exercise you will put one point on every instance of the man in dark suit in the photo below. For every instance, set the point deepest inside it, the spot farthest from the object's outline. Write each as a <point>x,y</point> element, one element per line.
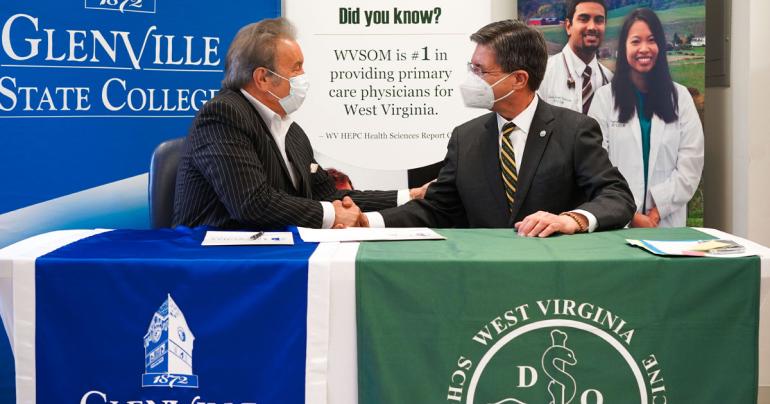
<point>246,163</point>
<point>528,164</point>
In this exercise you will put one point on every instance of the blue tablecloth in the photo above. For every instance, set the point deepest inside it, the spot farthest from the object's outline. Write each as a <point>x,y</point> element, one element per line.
<point>152,315</point>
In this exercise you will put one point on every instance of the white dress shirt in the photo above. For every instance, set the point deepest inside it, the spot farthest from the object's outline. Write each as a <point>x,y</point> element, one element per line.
<point>518,136</point>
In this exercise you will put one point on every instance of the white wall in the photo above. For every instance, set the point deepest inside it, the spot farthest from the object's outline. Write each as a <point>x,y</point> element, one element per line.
<point>757,156</point>
<point>503,9</point>
<point>737,174</point>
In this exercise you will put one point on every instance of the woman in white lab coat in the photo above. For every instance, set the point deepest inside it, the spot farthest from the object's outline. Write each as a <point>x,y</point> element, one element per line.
<point>650,125</point>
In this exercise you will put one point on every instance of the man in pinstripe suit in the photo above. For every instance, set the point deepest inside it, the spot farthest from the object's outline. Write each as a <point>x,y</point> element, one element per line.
<point>246,163</point>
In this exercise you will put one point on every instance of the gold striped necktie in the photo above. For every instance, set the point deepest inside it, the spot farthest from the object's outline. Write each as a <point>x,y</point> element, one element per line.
<point>508,163</point>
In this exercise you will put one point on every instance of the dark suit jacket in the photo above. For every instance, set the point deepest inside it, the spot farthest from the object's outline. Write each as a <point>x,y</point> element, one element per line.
<point>565,169</point>
<point>232,174</point>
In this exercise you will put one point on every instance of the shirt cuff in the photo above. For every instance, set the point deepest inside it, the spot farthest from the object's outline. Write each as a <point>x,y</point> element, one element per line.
<point>328,220</point>
<point>592,222</point>
<point>376,221</point>
<point>402,198</point>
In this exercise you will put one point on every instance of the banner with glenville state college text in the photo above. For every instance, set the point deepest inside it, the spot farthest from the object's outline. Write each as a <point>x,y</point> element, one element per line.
<point>88,89</point>
<point>497,319</point>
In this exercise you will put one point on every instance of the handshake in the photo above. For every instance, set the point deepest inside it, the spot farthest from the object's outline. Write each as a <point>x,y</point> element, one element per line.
<point>348,214</point>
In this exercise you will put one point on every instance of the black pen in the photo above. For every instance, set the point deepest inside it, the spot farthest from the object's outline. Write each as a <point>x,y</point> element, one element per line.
<point>257,235</point>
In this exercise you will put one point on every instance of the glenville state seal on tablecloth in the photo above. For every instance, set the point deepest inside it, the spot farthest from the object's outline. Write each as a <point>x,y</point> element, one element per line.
<point>168,347</point>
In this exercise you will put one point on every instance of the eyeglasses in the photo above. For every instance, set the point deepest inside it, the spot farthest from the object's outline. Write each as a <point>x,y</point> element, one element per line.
<point>475,69</point>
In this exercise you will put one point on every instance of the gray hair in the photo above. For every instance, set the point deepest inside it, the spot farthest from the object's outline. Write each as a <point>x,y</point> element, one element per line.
<point>253,47</point>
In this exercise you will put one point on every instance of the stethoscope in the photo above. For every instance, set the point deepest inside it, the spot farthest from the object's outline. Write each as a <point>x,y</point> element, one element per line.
<point>571,80</point>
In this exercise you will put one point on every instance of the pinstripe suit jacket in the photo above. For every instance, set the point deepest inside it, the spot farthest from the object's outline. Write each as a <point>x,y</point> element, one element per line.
<point>232,175</point>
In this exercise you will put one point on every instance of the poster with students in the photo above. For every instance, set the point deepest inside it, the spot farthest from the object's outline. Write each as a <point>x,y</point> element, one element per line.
<point>638,68</point>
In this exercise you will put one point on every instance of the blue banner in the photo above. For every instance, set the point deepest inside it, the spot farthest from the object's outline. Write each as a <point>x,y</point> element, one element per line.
<point>89,88</point>
<point>221,325</point>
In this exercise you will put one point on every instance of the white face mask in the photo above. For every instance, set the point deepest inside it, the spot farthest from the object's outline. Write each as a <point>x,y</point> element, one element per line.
<point>298,88</point>
<point>477,93</point>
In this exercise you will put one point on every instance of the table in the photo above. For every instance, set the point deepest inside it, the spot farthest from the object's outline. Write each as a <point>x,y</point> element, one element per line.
<point>330,341</point>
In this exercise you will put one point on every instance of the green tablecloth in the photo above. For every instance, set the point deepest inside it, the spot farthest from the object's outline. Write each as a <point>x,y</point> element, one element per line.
<point>490,317</point>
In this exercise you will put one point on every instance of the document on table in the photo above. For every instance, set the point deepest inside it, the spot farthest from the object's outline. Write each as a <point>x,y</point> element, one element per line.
<point>248,238</point>
<point>693,248</point>
<point>368,234</point>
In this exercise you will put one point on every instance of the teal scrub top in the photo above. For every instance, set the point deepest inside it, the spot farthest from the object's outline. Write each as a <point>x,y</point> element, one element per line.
<point>646,123</point>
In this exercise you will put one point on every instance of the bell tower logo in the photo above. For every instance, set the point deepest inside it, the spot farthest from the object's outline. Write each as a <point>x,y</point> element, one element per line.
<point>168,347</point>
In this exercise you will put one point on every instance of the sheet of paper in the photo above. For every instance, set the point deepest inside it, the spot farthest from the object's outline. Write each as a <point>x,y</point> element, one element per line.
<point>707,245</point>
<point>691,248</point>
<point>247,238</point>
<point>367,234</point>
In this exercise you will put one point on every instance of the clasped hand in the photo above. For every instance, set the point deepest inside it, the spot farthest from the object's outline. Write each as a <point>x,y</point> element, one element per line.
<point>419,192</point>
<point>348,214</point>
<point>651,219</point>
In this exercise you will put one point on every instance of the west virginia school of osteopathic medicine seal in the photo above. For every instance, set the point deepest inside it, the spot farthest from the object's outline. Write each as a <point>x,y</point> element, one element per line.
<point>556,351</point>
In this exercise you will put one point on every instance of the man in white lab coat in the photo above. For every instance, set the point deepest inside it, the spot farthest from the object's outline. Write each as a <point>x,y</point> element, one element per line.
<point>574,74</point>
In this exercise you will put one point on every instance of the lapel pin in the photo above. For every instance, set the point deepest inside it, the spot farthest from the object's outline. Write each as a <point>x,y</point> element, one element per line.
<point>313,168</point>
<point>542,133</point>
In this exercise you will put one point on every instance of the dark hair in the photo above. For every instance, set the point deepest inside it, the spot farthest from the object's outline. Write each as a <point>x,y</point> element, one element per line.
<point>574,3</point>
<point>252,47</point>
<point>661,95</point>
<point>516,47</point>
